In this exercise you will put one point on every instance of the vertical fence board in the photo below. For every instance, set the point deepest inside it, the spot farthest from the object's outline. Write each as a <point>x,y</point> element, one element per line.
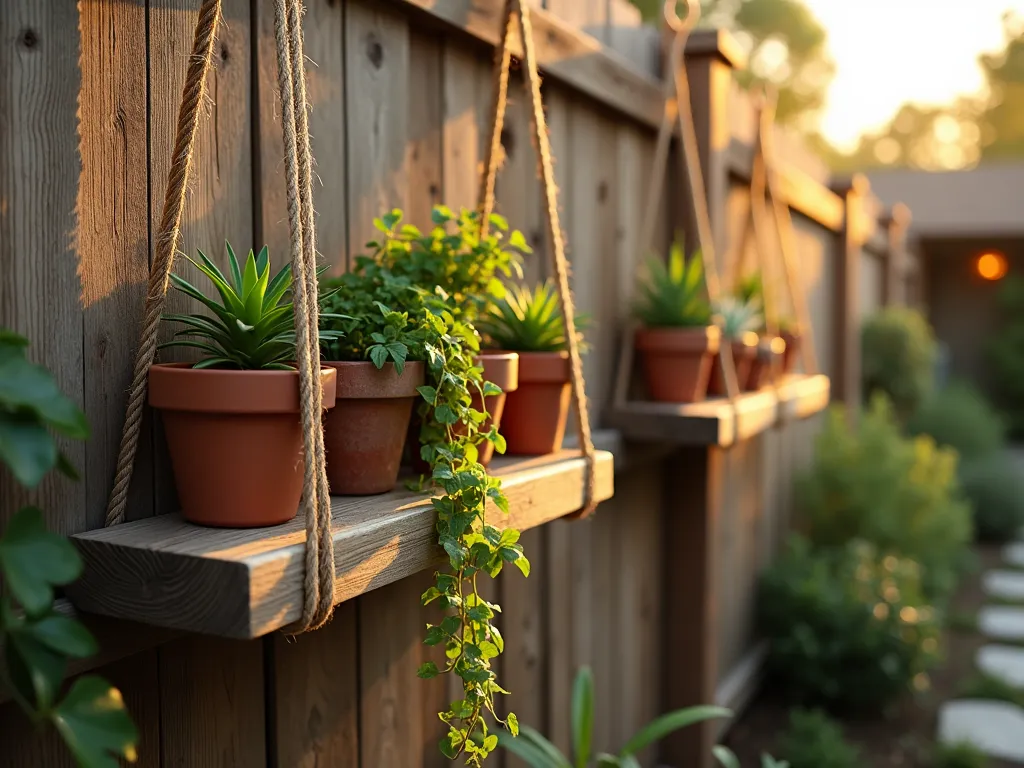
<point>315,703</point>
<point>377,79</point>
<point>424,147</point>
<point>466,98</point>
<point>559,639</point>
<point>39,284</point>
<point>325,79</point>
<point>113,237</point>
<point>211,703</point>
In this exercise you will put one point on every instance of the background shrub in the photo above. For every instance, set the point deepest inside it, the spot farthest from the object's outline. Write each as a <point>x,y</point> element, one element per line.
<point>959,416</point>
<point>848,628</point>
<point>814,740</point>
<point>899,493</point>
<point>898,357</point>
<point>996,494</point>
<point>1006,355</point>
<point>962,755</point>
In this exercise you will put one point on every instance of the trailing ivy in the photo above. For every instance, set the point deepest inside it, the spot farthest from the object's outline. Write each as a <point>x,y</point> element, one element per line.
<point>441,281</point>
<point>37,641</point>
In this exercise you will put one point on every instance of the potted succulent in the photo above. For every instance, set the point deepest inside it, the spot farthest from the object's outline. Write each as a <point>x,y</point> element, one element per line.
<point>677,341</point>
<point>378,356</point>
<point>232,419</point>
<point>738,320</point>
<point>454,262</point>
<point>789,331</point>
<point>786,344</point>
<point>531,324</point>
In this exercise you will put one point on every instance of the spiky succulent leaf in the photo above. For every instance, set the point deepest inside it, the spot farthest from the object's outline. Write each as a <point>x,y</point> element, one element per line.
<point>672,295</point>
<point>525,321</point>
<point>737,317</point>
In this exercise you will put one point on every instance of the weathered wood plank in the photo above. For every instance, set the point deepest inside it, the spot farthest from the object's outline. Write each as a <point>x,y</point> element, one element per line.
<point>112,238</point>
<point>559,635</point>
<point>377,84</point>
<point>466,97</point>
<point>211,703</point>
<point>40,292</point>
<point>424,149</point>
<point>325,79</point>
<point>315,704</point>
<point>246,583</point>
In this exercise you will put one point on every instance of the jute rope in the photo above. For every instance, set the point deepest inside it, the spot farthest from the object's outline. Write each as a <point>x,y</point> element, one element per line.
<point>560,263</point>
<point>168,234</point>
<point>319,577</point>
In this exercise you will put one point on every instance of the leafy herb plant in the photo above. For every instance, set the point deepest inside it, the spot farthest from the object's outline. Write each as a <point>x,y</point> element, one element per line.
<point>672,295</point>
<point>252,327</point>
<point>526,321</point>
<point>401,272</point>
<point>36,640</point>
<point>537,752</point>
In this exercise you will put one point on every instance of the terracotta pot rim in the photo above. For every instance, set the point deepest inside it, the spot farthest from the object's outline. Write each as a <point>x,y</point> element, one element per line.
<point>180,387</point>
<point>500,367</point>
<point>544,367</point>
<point>683,340</point>
<point>355,377</point>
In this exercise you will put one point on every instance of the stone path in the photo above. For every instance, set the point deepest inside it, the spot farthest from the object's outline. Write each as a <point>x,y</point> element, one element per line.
<point>995,727</point>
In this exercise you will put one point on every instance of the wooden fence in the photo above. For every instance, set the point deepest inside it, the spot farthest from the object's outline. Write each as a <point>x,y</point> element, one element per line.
<point>656,593</point>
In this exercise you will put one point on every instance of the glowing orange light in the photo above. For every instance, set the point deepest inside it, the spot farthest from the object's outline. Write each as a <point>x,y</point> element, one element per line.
<point>991,266</point>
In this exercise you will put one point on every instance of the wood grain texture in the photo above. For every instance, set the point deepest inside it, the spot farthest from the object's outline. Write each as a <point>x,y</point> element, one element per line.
<point>377,84</point>
<point>559,635</point>
<point>424,147</point>
<point>246,583</point>
<point>322,28</point>
<point>112,238</point>
<point>40,291</point>
<point>717,421</point>
<point>467,100</point>
<point>211,703</point>
<point>315,704</point>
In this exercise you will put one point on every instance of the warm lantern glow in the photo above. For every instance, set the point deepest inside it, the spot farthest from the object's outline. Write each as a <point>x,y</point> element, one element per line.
<point>991,266</point>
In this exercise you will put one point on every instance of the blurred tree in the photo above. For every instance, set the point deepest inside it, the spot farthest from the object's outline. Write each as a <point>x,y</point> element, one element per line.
<point>1001,121</point>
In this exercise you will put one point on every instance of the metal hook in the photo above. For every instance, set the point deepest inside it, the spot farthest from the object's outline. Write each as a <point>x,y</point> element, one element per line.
<point>684,25</point>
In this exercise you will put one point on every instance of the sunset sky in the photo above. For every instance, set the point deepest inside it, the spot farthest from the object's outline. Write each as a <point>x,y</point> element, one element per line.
<point>891,51</point>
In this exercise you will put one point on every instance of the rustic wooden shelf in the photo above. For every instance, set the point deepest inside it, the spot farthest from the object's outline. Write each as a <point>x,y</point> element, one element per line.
<point>166,572</point>
<point>717,421</point>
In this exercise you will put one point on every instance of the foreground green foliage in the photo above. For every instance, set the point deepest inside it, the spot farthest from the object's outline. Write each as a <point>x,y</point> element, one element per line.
<point>672,295</point>
<point>36,641</point>
<point>848,627</point>
<point>1005,353</point>
<point>985,686</point>
<point>814,740</point>
<point>962,755</point>
<point>537,752</point>
<point>252,327</point>
<point>428,285</point>
<point>525,321</point>
<point>898,358</point>
<point>900,494</point>
<point>959,417</point>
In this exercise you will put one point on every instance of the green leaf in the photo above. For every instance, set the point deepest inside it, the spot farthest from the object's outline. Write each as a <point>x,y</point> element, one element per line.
<point>95,725</point>
<point>236,273</point>
<point>27,448</point>
<point>725,756</point>
<point>517,241</point>
<point>64,635</point>
<point>441,215</point>
<point>25,386</point>
<point>582,716</point>
<point>33,561</point>
<point>428,670</point>
<point>666,724</point>
<point>512,723</point>
<point>428,393</point>
<point>250,276</point>
<point>378,355</point>
<point>445,414</point>
<point>499,443</point>
<point>533,749</point>
<point>35,670</point>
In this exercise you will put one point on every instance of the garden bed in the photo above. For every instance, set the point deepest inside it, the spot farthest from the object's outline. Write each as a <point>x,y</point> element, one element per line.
<point>905,738</point>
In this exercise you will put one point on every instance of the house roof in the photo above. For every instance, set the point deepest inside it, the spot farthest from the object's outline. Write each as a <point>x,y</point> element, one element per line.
<point>985,201</point>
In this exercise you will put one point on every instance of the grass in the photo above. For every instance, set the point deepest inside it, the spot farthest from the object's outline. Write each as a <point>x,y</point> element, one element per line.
<point>961,755</point>
<point>959,621</point>
<point>984,686</point>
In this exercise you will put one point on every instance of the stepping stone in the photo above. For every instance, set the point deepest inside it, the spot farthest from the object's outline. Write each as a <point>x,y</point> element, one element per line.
<point>1001,622</point>
<point>1007,585</point>
<point>1003,662</point>
<point>994,727</point>
<point>1014,553</point>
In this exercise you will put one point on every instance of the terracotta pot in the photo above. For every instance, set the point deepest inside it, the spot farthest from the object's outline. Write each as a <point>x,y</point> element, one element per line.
<point>365,432</point>
<point>501,368</point>
<point>677,361</point>
<point>743,356</point>
<point>235,441</point>
<point>535,414</point>
<point>761,366</point>
<point>790,355</point>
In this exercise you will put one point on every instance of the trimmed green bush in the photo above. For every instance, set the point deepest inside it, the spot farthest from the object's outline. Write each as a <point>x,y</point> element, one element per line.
<point>959,416</point>
<point>1006,355</point>
<point>961,755</point>
<point>848,628</point>
<point>898,493</point>
<point>814,740</point>
<point>898,357</point>
<point>996,495</point>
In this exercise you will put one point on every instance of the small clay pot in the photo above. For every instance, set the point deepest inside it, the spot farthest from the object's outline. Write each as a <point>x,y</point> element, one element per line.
<point>743,355</point>
<point>365,431</point>
<point>535,414</point>
<point>235,440</point>
<point>760,373</point>
<point>677,361</point>
<point>501,368</point>
<point>789,356</point>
